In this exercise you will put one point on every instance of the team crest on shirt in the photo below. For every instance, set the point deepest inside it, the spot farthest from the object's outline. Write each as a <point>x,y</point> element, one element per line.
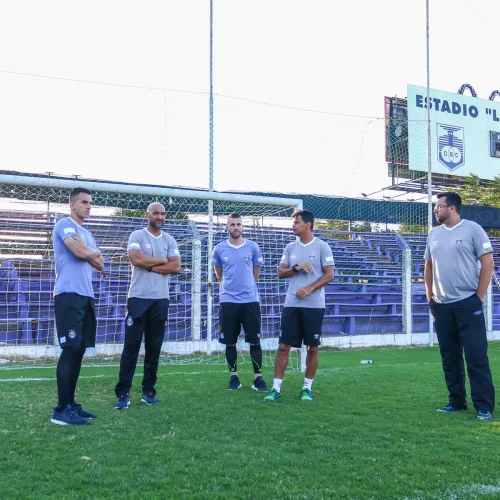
<point>72,334</point>
<point>459,241</point>
<point>130,321</point>
<point>312,256</point>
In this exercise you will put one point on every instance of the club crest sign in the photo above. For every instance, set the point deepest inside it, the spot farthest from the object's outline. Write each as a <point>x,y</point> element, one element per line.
<point>451,147</point>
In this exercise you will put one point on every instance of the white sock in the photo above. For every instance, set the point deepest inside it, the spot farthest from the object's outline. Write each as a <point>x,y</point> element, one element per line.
<point>308,382</point>
<point>277,384</point>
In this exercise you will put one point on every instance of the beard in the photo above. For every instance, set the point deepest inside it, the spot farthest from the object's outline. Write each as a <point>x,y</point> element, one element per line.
<point>155,225</point>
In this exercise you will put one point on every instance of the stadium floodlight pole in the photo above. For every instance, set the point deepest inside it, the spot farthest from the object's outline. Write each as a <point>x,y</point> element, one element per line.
<point>210,187</point>
<point>429,152</point>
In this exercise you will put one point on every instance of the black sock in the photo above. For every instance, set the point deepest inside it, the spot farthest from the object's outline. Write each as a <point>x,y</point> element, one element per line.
<point>76,371</point>
<point>256,356</point>
<point>68,370</point>
<point>231,356</point>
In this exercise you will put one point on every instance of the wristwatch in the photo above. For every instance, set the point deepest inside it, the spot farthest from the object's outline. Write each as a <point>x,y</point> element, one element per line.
<point>150,269</point>
<point>294,268</point>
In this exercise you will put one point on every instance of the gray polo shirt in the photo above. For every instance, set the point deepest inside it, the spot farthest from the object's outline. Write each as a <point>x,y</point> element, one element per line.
<point>145,284</point>
<point>455,253</point>
<point>319,255</point>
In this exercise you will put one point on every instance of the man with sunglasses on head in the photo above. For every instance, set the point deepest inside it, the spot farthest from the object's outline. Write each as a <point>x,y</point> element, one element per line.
<point>154,256</point>
<point>458,270</point>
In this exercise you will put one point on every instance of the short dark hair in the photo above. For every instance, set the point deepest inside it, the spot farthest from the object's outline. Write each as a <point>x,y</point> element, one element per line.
<point>306,215</point>
<point>76,191</point>
<point>452,199</point>
<point>234,215</point>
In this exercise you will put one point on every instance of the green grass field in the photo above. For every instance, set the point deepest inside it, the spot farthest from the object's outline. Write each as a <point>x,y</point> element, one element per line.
<point>372,433</point>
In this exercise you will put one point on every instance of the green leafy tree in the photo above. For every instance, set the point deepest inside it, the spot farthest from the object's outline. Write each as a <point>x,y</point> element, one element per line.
<point>475,192</point>
<point>333,225</point>
<point>413,229</point>
<point>140,214</point>
<point>362,227</point>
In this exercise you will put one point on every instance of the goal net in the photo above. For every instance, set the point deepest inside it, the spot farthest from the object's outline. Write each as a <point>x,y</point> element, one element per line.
<point>27,268</point>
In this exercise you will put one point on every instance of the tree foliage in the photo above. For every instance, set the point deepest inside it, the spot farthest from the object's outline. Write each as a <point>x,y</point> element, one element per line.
<point>474,192</point>
<point>141,214</point>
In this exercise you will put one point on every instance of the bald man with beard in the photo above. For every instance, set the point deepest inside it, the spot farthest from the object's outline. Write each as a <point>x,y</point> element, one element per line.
<point>154,256</point>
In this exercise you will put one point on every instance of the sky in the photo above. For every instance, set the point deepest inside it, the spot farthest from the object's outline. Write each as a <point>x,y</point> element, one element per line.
<point>118,90</point>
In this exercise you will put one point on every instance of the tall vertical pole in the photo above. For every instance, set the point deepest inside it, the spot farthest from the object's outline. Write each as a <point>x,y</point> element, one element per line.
<point>429,153</point>
<point>210,189</point>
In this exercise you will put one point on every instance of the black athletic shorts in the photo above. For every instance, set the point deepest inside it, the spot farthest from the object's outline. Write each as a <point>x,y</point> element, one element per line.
<point>301,324</point>
<point>75,320</point>
<point>233,316</point>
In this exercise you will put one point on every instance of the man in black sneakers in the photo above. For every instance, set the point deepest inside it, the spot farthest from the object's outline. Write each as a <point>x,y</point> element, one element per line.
<point>237,263</point>
<point>154,256</point>
<point>76,254</point>
<point>458,269</point>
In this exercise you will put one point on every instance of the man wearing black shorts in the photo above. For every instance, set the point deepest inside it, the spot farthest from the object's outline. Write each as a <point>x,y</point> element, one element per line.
<point>308,262</point>
<point>237,263</point>
<point>154,256</point>
<point>76,254</point>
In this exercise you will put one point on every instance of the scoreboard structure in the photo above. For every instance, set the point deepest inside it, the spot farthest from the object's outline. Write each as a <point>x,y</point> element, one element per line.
<point>465,135</point>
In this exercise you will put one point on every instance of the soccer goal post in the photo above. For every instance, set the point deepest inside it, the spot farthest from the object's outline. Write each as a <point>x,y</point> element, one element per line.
<point>34,203</point>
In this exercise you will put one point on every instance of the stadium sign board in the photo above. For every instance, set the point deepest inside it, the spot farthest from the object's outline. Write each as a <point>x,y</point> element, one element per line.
<point>465,133</point>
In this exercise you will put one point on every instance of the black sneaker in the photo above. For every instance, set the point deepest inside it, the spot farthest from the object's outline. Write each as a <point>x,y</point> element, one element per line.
<point>149,398</point>
<point>259,385</point>
<point>123,402</point>
<point>68,416</point>
<point>234,383</point>
<point>80,411</point>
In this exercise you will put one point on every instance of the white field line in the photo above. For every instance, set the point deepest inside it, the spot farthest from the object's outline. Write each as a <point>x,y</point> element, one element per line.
<point>49,379</point>
<point>222,370</point>
<point>466,492</point>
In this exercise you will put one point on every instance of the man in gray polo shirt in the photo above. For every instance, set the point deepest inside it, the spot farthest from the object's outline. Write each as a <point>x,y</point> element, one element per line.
<point>308,262</point>
<point>154,256</point>
<point>458,269</point>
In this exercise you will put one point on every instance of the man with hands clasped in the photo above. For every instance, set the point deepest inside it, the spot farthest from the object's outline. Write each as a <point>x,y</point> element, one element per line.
<point>308,262</point>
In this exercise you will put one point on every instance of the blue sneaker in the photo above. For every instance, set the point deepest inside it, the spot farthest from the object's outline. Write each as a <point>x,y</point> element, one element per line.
<point>68,416</point>
<point>234,383</point>
<point>80,411</point>
<point>484,415</point>
<point>259,385</point>
<point>123,402</point>
<point>149,398</point>
<point>451,409</point>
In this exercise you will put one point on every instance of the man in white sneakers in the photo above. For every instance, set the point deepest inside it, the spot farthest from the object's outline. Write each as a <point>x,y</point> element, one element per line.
<point>308,262</point>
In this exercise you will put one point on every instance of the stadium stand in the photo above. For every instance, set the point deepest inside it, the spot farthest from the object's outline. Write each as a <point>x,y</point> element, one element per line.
<point>364,298</point>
